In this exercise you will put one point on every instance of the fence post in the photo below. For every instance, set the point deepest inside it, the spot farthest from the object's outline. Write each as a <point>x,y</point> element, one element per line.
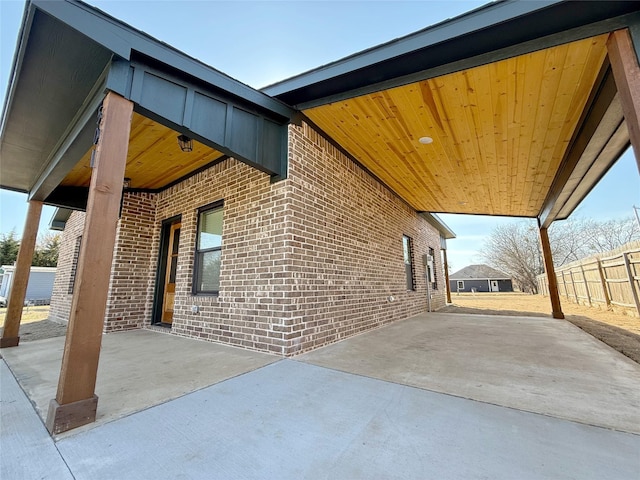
<point>573,285</point>
<point>632,281</point>
<point>603,282</point>
<point>586,284</point>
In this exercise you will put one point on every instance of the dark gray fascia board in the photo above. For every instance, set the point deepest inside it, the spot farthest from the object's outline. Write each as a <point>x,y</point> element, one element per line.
<point>59,219</point>
<point>485,35</point>
<point>618,144</point>
<point>122,40</point>
<point>72,146</point>
<point>435,221</point>
<point>235,128</point>
<point>596,145</point>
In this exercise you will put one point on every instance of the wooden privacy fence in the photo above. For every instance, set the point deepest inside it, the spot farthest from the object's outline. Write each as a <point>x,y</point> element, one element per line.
<point>609,281</point>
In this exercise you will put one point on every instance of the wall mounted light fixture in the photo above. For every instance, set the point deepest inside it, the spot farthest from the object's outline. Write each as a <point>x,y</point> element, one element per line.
<point>186,144</point>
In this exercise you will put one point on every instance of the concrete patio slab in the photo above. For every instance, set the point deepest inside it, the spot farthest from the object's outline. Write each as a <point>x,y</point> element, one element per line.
<point>137,369</point>
<point>26,449</point>
<point>291,420</point>
<point>537,364</point>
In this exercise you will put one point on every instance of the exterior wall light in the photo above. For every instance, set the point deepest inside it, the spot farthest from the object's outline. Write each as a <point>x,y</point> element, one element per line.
<point>186,144</point>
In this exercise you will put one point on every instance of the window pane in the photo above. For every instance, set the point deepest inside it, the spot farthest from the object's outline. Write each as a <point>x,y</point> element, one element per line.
<point>176,241</point>
<point>208,274</point>
<point>210,234</point>
<point>408,262</point>
<point>407,249</point>
<point>173,269</point>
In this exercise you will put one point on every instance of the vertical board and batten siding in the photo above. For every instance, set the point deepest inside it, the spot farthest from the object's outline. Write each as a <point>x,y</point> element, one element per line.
<point>305,261</point>
<point>480,285</point>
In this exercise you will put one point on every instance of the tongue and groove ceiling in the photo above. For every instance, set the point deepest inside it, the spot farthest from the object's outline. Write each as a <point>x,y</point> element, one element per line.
<point>500,131</point>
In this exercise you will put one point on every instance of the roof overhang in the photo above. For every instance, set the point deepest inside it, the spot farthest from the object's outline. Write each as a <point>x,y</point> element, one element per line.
<point>70,55</point>
<point>518,97</point>
<point>59,219</point>
<point>434,220</point>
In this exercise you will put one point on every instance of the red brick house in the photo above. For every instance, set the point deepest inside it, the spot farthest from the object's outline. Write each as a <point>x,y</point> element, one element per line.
<point>301,264</point>
<point>288,218</point>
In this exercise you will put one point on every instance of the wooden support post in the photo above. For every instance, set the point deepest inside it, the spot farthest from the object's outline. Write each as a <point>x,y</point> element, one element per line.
<point>556,308</point>
<point>76,403</point>
<point>446,274</point>
<point>626,72</point>
<point>632,281</point>
<point>10,333</point>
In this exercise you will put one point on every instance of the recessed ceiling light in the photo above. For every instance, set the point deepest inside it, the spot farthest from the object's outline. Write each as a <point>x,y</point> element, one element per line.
<point>425,140</point>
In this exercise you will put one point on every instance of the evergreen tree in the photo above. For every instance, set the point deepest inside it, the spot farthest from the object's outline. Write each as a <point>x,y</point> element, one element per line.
<point>9,246</point>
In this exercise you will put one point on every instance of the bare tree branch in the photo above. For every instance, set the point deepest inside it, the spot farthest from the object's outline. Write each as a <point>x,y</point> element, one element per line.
<point>515,248</point>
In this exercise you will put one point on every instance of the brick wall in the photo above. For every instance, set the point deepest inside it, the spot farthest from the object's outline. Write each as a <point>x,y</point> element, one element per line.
<point>133,268</point>
<point>67,260</point>
<point>249,309</point>
<point>344,236</point>
<point>305,261</point>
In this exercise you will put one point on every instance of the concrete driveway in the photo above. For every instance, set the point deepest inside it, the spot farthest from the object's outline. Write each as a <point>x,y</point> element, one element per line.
<point>534,364</point>
<point>367,407</point>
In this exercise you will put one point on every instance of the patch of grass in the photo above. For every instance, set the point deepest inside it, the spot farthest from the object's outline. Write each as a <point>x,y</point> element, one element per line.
<point>29,314</point>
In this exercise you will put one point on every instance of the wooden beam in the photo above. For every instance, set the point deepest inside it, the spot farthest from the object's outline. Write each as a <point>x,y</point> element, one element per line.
<point>76,403</point>
<point>626,71</point>
<point>556,308</point>
<point>446,274</point>
<point>10,333</point>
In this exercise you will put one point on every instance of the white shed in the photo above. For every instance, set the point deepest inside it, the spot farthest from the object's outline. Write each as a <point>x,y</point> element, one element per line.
<point>39,287</point>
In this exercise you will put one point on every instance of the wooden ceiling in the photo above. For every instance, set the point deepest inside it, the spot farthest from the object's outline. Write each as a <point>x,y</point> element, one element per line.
<point>154,159</point>
<point>500,131</point>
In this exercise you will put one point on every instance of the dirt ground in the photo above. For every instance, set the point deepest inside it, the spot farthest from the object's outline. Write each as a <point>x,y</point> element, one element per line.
<point>616,329</point>
<point>34,324</point>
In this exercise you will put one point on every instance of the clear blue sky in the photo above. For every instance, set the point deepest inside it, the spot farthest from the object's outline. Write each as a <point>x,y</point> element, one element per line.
<point>262,42</point>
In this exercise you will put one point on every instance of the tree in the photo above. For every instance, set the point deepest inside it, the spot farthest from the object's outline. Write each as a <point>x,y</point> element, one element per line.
<point>9,246</point>
<point>611,234</point>
<point>515,248</point>
<point>47,249</point>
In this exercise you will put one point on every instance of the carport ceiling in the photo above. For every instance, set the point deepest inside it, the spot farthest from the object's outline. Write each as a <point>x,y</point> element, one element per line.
<point>518,97</point>
<point>500,131</point>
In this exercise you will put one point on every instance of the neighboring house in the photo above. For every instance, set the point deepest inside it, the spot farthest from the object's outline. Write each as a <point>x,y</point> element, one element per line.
<point>480,278</point>
<point>39,287</point>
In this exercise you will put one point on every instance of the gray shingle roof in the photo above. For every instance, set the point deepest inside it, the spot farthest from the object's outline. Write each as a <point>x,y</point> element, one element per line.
<point>479,272</point>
